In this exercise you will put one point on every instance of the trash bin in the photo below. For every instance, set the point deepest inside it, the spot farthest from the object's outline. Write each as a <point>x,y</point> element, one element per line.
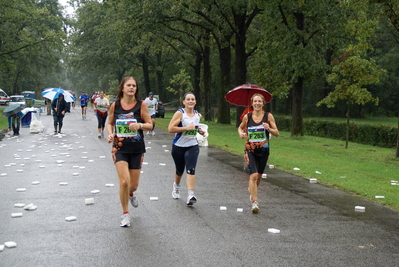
<point>28,102</point>
<point>27,118</point>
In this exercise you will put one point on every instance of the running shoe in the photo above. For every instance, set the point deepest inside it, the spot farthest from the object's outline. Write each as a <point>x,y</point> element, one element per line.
<point>176,191</point>
<point>148,132</point>
<point>191,200</point>
<point>102,134</point>
<point>125,220</point>
<point>255,207</point>
<point>99,135</point>
<point>152,132</point>
<point>134,201</point>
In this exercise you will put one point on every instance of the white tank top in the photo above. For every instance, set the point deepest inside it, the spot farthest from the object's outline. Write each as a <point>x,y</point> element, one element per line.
<point>187,138</point>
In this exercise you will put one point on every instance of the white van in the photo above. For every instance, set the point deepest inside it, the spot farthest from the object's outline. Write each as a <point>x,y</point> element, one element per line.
<point>18,99</point>
<point>4,98</point>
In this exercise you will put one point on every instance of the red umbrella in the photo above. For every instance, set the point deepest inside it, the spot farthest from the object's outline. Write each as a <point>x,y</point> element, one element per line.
<point>241,95</point>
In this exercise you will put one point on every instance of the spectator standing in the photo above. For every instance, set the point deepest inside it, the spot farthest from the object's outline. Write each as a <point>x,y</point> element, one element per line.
<point>14,122</point>
<point>59,107</point>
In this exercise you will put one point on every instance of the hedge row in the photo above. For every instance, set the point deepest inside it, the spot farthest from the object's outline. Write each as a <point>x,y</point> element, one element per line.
<point>381,135</point>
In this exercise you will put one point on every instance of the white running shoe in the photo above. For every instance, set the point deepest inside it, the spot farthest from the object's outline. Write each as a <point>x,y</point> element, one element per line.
<point>255,207</point>
<point>134,201</point>
<point>176,191</point>
<point>191,200</point>
<point>99,135</point>
<point>152,132</point>
<point>125,220</point>
<point>148,132</point>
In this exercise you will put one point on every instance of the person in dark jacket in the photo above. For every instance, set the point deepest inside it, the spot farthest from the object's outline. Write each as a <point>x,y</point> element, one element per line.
<point>59,107</point>
<point>14,122</point>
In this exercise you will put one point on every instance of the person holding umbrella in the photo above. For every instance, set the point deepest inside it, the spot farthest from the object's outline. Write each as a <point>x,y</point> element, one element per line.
<point>59,107</point>
<point>256,128</point>
<point>14,115</point>
<point>14,122</point>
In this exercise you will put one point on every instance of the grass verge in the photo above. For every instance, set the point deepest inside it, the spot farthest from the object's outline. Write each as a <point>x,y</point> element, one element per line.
<point>363,170</point>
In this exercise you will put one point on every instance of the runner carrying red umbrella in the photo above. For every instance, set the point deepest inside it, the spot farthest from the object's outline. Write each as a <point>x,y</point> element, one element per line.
<point>241,96</point>
<point>256,128</point>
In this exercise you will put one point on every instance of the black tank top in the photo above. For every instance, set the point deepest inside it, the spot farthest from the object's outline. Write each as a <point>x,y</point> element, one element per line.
<point>259,148</point>
<point>129,144</point>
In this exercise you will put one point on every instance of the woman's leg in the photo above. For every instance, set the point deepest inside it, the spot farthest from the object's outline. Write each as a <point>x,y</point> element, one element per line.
<point>133,180</point>
<point>103,120</point>
<point>253,185</point>
<point>99,122</point>
<point>191,157</point>
<point>122,169</point>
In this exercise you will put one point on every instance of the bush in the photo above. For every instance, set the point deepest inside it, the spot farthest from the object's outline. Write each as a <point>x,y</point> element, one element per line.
<point>381,135</point>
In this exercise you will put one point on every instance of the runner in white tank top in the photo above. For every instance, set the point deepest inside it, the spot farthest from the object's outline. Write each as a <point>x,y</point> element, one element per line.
<point>185,149</point>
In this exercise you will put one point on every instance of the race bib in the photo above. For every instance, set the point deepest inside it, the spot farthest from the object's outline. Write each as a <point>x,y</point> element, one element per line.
<point>151,106</point>
<point>257,134</point>
<point>191,133</point>
<point>122,128</point>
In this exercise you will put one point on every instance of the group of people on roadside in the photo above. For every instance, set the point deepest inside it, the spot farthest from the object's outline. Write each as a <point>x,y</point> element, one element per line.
<point>129,117</point>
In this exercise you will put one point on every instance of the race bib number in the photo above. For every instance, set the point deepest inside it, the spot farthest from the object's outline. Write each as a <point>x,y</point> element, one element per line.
<point>151,107</point>
<point>191,133</point>
<point>122,128</point>
<point>257,134</point>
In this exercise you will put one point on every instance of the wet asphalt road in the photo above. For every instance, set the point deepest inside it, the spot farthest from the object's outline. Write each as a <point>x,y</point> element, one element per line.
<point>318,226</point>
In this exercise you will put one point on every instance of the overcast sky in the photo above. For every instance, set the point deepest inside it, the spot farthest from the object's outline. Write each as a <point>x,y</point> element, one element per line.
<point>68,9</point>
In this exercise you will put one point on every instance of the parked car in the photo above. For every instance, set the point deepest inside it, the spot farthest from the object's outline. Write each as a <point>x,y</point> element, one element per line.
<point>17,99</point>
<point>160,113</point>
<point>4,98</point>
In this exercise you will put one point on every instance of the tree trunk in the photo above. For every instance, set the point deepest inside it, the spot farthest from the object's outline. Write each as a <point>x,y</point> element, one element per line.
<point>225,62</point>
<point>159,73</point>
<point>297,117</point>
<point>347,127</point>
<point>297,98</point>
<point>397,144</point>
<point>197,79</point>
<point>240,57</point>
<point>146,75</point>
<point>207,78</point>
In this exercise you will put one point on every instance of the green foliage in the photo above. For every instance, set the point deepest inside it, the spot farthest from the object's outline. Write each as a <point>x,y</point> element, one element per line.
<point>350,77</point>
<point>180,83</point>
<point>31,39</point>
<point>368,134</point>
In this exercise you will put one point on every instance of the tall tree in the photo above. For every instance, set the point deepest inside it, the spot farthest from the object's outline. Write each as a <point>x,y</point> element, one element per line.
<point>291,53</point>
<point>350,75</point>
<point>391,10</point>
<point>30,43</point>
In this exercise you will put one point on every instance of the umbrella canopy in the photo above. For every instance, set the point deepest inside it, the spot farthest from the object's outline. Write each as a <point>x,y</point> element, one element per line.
<point>241,95</point>
<point>12,109</point>
<point>53,93</point>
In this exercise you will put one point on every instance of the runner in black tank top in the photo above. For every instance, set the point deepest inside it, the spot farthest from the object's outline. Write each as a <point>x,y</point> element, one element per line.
<point>256,127</point>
